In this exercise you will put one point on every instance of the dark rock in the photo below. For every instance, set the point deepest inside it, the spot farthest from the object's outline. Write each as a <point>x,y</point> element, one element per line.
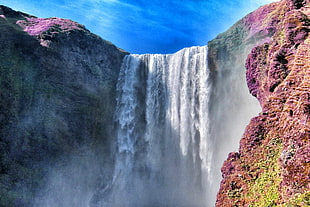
<point>57,96</point>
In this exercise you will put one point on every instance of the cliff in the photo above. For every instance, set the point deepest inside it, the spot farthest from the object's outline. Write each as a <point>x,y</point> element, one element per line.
<point>58,84</point>
<point>231,104</point>
<point>57,98</point>
<point>272,166</point>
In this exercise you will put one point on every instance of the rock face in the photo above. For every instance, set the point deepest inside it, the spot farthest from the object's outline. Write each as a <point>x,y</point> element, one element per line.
<point>57,95</point>
<point>230,99</point>
<point>272,167</point>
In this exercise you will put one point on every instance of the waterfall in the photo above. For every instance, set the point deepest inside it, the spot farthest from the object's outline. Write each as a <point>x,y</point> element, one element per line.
<point>172,135</point>
<point>164,151</point>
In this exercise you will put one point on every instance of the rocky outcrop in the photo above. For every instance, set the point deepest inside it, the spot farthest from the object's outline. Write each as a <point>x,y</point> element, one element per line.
<point>57,96</point>
<point>272,166</point>
<point>230,99</point>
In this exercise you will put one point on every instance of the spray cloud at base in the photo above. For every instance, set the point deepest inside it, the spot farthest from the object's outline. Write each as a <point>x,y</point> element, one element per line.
<point>174,125</point>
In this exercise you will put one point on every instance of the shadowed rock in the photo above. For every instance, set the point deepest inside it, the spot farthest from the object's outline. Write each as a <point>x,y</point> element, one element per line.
<point>57,96</point>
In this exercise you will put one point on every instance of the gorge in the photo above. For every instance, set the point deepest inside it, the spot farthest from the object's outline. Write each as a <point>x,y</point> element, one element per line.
<point>162,123</point>
<point>84,123</point>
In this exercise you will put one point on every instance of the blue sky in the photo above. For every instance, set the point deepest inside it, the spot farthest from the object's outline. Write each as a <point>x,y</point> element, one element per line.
<point>146,26</point>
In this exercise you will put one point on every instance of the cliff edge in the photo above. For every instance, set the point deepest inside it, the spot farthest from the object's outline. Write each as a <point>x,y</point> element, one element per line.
<point>58,84</point>
<point>272,166</point>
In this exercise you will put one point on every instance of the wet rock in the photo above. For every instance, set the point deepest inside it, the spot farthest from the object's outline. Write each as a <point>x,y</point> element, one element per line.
<point>274,151</point>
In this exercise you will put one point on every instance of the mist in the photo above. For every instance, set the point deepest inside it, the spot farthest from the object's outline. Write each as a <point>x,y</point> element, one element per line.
<point>175,123</point>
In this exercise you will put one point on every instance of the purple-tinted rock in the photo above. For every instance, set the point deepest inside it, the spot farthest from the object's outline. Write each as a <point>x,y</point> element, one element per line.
<point>273,158</point>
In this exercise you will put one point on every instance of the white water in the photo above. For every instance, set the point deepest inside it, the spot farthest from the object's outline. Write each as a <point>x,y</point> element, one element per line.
<point>164,150</point>
<point>168,153</point>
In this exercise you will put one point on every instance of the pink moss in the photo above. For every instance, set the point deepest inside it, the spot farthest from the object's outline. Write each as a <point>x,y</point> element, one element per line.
<point>256,23</point>
<point>37,26</point>
<point>275,145</point>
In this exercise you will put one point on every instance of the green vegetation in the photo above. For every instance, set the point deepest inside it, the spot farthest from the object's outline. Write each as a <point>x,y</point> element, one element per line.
<point>299,200</point>
<point>264,189</point>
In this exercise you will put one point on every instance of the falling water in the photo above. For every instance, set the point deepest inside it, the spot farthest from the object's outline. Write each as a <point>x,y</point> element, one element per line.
<point>163,148</point>
<point>172,135</point>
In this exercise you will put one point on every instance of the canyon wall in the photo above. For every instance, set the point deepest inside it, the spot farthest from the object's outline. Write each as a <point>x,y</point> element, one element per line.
<point>272,167</point>
<point>58,84</point>
<point>58,97</point>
